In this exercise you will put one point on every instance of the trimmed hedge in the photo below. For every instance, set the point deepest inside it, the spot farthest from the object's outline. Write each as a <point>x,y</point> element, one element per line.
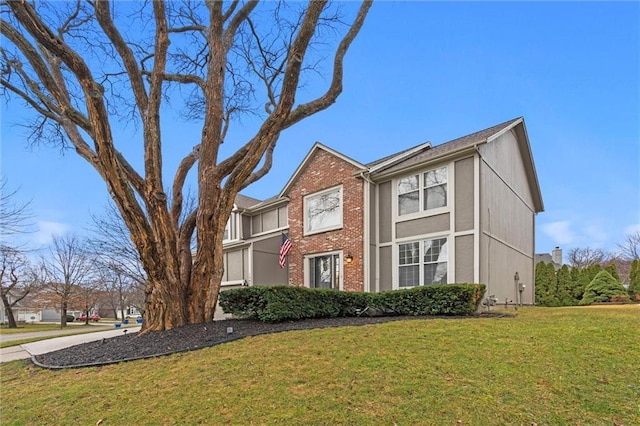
<point>290,303</point>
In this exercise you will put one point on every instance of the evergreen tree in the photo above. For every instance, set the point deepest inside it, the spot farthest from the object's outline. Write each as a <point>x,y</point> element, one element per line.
<point>564,287</point>
<point>546,286</point>
<point>634,280</point>
<point>541,283</point>
<point>602,289</point>
<point>613,270</point>
<point>584,278</point>
<point>575,290</point>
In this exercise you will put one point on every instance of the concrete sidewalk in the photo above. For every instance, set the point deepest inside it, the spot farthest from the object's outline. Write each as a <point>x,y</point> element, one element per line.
<point>25,351</point>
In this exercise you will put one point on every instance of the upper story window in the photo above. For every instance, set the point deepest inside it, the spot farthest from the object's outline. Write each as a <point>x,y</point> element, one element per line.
<point>422,192</point>
<point>323,211</point>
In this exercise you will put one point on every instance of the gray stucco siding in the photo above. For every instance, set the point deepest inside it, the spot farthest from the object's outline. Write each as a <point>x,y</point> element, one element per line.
<point>464,259</point>
<point>464,199</point>
<point>386,268</point>
<point>423,225</point>
<point>385,203</point>
<point>266,270</point>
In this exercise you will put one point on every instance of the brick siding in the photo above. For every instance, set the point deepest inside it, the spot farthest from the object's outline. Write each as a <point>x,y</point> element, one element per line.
<point>323,171</point>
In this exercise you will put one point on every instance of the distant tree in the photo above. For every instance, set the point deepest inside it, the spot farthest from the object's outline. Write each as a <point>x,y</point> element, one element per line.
<point>634,280</point>
<point>613,270</point>
<point>85,67</point>
<point>584,257</point>
<point>546,285</point>
<point>602,288</point>
<point>564,286</point>
<point>67,269</point>
<point>577,286</point>
<point>630,249</point>
<point>110,243</point>
<point>14,217</point>
<point>15,282</point>
<point>119,291</point>
<point>87,295</point>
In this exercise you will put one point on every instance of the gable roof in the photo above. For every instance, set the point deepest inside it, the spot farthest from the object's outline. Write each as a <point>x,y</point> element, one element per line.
<point>317,146</point>
<point>416,156</point>
<point>451,147</point>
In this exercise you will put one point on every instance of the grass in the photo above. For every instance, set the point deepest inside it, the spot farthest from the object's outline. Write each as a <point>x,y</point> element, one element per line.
<point>32,328</point>
<point>28,328</point>
<point>549,366</point>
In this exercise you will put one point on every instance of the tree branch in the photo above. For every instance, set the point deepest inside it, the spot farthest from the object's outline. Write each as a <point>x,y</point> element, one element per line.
<point>323,102</point>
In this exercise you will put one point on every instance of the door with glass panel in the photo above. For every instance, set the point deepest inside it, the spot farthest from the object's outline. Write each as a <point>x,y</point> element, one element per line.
<point>324,271</point>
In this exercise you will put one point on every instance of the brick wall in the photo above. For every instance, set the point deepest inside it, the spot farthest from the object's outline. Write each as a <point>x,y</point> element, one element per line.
<point>323,171</point>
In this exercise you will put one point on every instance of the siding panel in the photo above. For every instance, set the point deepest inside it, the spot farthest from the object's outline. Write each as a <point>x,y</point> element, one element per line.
<point>464,259</point>
<point>464,194</point>
<point>384,190</point>
<point>422,226</point>
<point>386,269</point>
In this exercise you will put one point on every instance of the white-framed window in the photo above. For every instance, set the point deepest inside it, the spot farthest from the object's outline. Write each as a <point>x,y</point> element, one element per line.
<point>227,231</point>
<point>422,192</point>
<point>323,211</point>
<point>422,262</point>
<point>324,270</point>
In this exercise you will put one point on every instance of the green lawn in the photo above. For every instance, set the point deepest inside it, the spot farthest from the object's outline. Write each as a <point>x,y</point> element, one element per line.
<point>28,328</point>
<point>548,366</point>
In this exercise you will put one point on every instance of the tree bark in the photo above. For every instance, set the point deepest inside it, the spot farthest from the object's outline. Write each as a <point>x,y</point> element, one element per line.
<point>9,311</point>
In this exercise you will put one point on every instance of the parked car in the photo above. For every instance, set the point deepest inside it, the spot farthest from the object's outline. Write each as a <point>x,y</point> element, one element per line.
<point>133,316</point>
<point>94,318</point>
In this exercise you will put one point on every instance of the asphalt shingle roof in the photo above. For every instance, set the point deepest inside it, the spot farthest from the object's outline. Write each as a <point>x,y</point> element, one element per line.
<point>451,146</point>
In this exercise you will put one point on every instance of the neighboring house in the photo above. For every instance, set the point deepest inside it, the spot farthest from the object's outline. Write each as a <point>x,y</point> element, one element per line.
<point>462,211</point>
<point>554,258</point>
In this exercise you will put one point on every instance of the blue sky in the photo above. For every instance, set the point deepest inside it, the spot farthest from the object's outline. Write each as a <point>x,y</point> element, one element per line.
<point>434,71</point>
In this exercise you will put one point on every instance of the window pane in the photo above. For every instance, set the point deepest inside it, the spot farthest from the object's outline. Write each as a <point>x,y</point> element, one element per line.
<point>435,177</point>
<point>408,184</point>
<point>321,272</point>
<point>324,211</point>
<point>435,273</point>
<point>409,276</point>
<point>409,253</point>
<point>435,197</point>
<point>408,203</point>
<point>435,250</point>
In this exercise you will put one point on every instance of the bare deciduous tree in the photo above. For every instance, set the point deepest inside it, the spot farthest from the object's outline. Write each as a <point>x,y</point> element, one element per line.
<point>14,217</point>
<point>15,283</point>
<point>630,249</point>
<point>584,257</point>
<point>79,67</point>
<point>66,270</point>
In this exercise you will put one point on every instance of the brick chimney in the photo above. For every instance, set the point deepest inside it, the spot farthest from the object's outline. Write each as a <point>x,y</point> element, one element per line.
<point>556,256</point>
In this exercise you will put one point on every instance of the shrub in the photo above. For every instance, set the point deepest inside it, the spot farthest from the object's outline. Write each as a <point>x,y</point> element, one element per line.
<point>287,303</point>
<point>602,288</point>
<point>445,299</point>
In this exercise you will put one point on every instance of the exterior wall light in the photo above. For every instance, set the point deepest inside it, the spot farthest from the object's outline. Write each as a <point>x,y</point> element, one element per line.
<point>349,258</point>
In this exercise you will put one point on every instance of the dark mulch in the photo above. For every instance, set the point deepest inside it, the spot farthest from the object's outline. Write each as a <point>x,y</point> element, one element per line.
<point>132,346</point>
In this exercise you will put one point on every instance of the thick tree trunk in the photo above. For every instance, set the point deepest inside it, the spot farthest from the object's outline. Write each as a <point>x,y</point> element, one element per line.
<point>9,312</point>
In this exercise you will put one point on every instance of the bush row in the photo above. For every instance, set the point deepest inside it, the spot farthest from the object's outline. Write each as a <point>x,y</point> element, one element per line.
<point>287,303</point>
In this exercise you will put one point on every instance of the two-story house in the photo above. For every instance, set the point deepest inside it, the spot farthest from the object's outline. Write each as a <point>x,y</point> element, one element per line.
<point>461,211</point>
